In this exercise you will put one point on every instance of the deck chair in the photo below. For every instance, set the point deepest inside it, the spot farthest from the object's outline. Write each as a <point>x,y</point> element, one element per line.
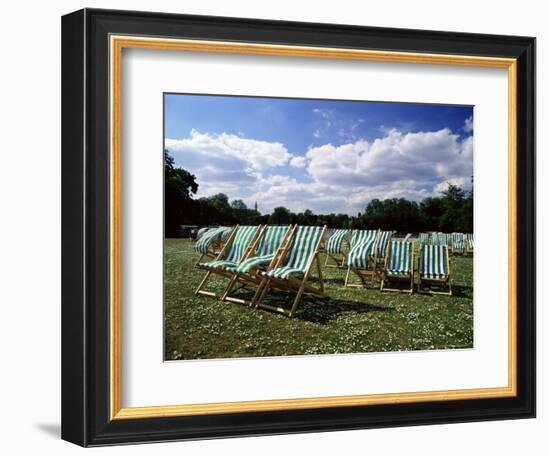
<point>233,252</point>
<point>360,257</point>
<point>202,231</point>
<point>424,238</point>
<point>381,249</point>
<point>434,269</point>
<point>335,248</point>
<point>469,243</point>
<point>440,239</point>
<point>263,255</point>
<point>211,242</point>
<point>399,266</point>
<point>293,268</point>
<point>457,243</point>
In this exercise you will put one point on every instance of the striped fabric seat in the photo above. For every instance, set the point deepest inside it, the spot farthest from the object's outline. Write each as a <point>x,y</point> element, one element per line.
<point>202,231</point>
<point>240,241</point>
<point>469,241</point>
<point>382,243</point>
<point>424,238</point>
<point>266,250</point>
<point>433,262</point>
<point>303,246</point>
<point>362,247</point>
<point>399,258</point>
<point>214,234</point>
<point>334,244</point>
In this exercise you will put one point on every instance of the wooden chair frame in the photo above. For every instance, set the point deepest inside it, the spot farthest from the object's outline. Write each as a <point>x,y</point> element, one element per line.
<point>199,291</point>
<point>397,278</point>
<point>300,286</point>
<point>446,282</point>
<point>253,277</point>
<point>363,274</point>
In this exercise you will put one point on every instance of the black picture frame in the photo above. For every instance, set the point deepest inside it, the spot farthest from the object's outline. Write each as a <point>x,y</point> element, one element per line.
<point>85,225</point>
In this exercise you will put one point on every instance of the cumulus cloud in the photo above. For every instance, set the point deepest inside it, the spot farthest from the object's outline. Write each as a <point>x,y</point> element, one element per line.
<point>298,162</point>
<point>468,124</point>
<point>329,178</point>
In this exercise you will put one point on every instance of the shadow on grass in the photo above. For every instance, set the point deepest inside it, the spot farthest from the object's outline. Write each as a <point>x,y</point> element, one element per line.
<point>322,310</point>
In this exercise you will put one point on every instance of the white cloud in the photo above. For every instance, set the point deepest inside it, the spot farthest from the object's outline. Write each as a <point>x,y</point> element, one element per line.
<point>298,162</point>
<point>468,124</point>
<point>333,178</point>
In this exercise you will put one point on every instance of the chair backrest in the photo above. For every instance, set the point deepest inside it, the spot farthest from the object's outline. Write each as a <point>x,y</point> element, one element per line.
<point>239,242</point>
<point>434,262</point>
<point>303,245</point>
<point>271,239</point>
<point>362,246</point>
<point>382,243</point>
<point>213,234</point>
<point>202,231</point>
<point>424,238</point>
<point>440,239</point>
<point>399,257</point>
<point>457,240</point>
<point>334,244</point>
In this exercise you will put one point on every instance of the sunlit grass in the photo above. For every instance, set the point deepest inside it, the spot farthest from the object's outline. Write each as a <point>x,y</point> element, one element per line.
<point>348,320</point>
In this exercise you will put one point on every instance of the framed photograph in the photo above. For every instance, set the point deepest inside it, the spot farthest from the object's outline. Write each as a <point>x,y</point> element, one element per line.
<point>277,227</point>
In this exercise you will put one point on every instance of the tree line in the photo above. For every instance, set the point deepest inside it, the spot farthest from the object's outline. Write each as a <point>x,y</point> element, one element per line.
<point>449,212</point>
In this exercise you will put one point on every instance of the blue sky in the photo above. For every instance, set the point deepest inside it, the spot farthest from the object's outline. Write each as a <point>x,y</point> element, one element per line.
<point>323,155</point>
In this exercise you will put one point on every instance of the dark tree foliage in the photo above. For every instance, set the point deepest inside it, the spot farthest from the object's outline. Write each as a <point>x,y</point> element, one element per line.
<point>179,186</point>
<point>452,211</point>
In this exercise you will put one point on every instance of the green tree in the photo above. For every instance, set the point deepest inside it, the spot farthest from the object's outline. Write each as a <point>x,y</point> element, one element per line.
<point>280,216</point>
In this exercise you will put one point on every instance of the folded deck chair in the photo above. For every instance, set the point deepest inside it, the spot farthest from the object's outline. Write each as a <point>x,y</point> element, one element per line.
<point>399,266</point>
<point>335,248</point>
<point>360,257</point>
<point>233,252</point>
<point>434,269</point>
<point>424,238</point>
<point>262,256</point>
<point>457,243</point>
<point>469,242</point>
<point>293,268</point>
<point>211,242</point>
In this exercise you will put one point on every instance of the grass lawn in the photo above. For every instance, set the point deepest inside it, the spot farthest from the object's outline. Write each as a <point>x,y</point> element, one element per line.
<point>348,320</point>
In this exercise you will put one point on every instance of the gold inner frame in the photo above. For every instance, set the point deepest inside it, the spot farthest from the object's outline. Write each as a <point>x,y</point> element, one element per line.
<point>117,44</point>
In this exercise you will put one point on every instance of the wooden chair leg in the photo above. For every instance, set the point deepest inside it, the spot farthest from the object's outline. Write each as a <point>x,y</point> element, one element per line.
<point>347,277</point>
<point>297,299</point>
<point>203,282</point>
<point>321,285</point>
<point>229,287</point>
<point>263,293</point>
<point>253,302</point>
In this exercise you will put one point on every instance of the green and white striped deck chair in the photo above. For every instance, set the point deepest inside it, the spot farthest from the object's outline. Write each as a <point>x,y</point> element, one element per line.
<point>335,247</point>
<point>457,243</point>
<point>263,255</point>
<point>424,238</point>
<point>234,251</point>
<point>293,268</point>
<point>399,266</point>
<point>435,269</point>
<point>469,242</point>
<point>440,239</point>
<point>211,242</point>
<point>360,257</point>
<point>382,245</point>
<point>202,231</point>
